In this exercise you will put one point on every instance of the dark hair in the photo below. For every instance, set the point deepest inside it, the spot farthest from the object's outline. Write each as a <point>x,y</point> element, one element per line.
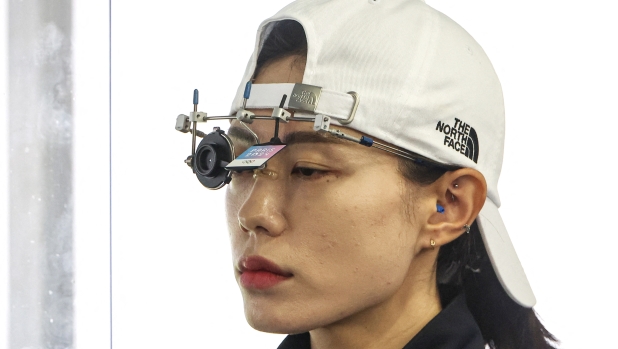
<point>463,264</point>
<point>287,38</point>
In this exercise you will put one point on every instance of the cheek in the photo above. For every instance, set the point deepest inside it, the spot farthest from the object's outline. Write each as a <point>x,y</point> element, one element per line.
<point>232,206</point>
<point>234,199</point>
<point>353,236</point>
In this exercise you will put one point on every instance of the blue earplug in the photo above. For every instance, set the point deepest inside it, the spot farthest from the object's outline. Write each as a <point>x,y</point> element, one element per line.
<point>440,208</point>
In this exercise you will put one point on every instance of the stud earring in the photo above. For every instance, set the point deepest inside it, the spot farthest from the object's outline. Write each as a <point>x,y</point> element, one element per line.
<point>467,228</point>
<point>433,244</point>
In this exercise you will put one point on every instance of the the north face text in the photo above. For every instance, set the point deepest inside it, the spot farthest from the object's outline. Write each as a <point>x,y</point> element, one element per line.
<point>461,137</point>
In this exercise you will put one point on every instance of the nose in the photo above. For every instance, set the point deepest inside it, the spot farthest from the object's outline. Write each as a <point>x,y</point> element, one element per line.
<point>262,211</point>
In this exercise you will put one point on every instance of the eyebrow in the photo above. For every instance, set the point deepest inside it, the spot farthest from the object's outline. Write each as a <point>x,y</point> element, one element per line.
<point>290,138</point>
<point>311,137</point>
<point>241,134</point>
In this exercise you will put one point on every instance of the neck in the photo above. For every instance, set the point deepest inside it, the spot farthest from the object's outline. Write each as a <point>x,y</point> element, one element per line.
<point>388,324</point>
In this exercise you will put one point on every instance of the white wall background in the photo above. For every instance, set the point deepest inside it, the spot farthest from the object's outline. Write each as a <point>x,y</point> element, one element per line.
<point>92,174</point>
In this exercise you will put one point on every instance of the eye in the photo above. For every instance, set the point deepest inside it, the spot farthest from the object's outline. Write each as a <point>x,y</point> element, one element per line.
<point>308,173</point>
<point>241,174</point>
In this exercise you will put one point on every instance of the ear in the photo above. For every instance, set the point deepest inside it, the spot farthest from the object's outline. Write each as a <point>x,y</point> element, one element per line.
<point>462,194</point>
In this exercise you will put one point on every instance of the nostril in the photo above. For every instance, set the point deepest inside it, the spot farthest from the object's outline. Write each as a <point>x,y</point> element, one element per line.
<point>242,227</point>
<point>255,230</point>
<point>261,229</point>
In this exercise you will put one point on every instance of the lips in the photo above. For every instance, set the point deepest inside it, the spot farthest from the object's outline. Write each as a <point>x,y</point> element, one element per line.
<point>259,273</point>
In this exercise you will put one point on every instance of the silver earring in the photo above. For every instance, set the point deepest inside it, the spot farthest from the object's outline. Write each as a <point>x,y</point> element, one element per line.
<point>467,228</point>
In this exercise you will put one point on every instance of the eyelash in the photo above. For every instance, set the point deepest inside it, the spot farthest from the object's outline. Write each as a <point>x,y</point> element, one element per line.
<point>298,171</point>
<point>313,174</point>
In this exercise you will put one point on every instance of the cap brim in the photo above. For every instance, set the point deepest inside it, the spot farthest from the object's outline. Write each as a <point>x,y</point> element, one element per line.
<point>503,257</point>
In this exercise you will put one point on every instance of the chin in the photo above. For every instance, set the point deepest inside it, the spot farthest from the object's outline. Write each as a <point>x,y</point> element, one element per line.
<point>281,318</point>
<point>276,324</point>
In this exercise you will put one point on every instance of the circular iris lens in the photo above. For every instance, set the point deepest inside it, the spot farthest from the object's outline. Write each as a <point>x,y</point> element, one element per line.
<point>213,153</point>
<point>206,160</point>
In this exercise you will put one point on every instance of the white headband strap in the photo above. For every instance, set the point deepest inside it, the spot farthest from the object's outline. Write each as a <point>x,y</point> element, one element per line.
<point>303,97</point>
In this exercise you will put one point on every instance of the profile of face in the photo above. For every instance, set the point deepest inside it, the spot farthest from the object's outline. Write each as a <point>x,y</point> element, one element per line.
<point>330,232</point>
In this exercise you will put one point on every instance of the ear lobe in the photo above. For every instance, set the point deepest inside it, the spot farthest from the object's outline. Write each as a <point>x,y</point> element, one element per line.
<point>461,194</point>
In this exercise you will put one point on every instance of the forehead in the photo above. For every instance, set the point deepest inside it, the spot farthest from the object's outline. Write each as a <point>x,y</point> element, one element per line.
<point>289,133</point>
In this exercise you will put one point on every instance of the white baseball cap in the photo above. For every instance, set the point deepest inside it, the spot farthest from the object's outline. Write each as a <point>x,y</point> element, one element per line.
<point>424,84</point>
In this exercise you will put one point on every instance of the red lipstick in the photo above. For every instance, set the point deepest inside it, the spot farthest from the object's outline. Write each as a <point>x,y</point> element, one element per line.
<point>259,273</point>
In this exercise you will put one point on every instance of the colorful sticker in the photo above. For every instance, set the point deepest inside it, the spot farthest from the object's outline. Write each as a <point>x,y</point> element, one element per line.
<point>254,157</point>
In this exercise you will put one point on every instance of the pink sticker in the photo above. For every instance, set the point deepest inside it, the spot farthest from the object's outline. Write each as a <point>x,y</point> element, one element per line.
<point>254,157</point>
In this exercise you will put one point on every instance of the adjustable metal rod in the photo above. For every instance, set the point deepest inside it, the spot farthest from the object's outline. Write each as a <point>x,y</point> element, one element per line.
<point>302,118</point>
<point>193,134</point>
<point>229,117</point>
<point>194,129</point>
<point>277,120</point>
<point>392,151</point>
<point>259,117</point>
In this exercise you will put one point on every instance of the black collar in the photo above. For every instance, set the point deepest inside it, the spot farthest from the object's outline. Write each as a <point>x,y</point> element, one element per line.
<point>453,328</point>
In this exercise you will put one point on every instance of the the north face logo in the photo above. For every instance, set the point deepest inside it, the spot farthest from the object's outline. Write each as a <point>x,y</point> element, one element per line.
<point>306,97</point>
<point>460,137</point>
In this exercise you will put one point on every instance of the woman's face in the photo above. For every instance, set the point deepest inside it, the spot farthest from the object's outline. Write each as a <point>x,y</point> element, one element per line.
<point>324,234</point>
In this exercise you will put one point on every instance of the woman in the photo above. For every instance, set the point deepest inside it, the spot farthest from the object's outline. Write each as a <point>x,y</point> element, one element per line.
<point>344,246</point>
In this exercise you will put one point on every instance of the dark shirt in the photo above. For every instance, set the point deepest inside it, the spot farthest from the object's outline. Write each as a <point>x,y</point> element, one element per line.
<point>453,328</point>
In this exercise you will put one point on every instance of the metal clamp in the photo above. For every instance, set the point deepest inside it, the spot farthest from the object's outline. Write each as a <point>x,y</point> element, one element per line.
<point>280,113</point>
<point>244,116</point>
<point>182,123</point>
<point>198,116</point>
<point>321,123</point>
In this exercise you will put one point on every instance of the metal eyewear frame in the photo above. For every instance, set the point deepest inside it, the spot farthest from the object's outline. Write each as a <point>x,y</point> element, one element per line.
<point>214,160</point>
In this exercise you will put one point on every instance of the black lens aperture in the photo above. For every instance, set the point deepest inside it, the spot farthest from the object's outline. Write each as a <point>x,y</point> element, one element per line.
<point>211,156</point>
<point>206,160</point>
